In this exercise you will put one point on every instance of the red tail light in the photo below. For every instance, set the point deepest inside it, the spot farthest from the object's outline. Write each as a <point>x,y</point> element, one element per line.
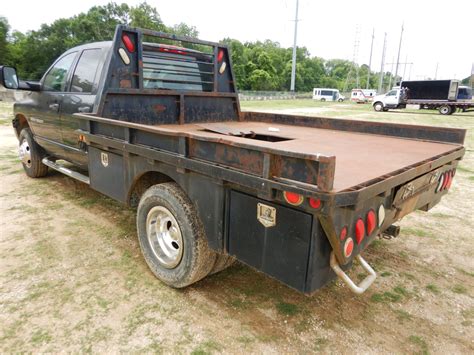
<point>359,230</point>
<point>315,203</point>
<point>343,234</point>
<point>220,55</point>
<point>371,222</point>
<point>128,43</point>
<point>293,198</point>
<point>348,247</point>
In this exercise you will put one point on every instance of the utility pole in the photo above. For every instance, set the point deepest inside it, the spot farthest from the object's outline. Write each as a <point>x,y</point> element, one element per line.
<point>390,77</point>
<point>436,71</point>
<point>398,57</point>
<point>383,63</point>
<point>405,67</point>
<point>370,58</point>
<point>405,64</point>
<point>472,75</point>
<point>354,61</point>
<point>293,63</point>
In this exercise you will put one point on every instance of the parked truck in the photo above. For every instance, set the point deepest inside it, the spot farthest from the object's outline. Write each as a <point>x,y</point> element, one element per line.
<point>159,127</point>
<point>432,94</point>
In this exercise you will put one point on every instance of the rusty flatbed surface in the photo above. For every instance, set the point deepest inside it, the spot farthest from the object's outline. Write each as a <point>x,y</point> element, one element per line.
<point>360,157</point>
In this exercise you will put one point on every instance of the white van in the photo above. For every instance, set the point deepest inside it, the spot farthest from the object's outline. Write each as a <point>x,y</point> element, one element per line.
<point>322,94</point>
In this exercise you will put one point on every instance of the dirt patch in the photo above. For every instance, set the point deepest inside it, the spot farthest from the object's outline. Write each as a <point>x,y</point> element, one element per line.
<point>73,279</point>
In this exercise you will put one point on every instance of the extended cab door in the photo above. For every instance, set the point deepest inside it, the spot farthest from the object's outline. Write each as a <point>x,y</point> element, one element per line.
<point>44,114</point>
<point>81,97</point>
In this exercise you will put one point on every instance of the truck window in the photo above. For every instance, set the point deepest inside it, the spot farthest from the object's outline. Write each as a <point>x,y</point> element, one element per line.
<point>56,78</point>
<point>392,93</point>
<point>86,70</point>
<point>163,69</point>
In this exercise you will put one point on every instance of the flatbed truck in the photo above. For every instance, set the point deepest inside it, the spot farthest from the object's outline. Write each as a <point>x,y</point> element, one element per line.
<point>441,95</point>
<point>159,127</point>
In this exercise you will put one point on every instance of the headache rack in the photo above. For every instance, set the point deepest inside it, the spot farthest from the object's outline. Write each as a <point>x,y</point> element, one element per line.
<point>183,83</point>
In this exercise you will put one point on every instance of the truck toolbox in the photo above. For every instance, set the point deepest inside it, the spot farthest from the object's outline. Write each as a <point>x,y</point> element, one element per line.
<point>298,198</point>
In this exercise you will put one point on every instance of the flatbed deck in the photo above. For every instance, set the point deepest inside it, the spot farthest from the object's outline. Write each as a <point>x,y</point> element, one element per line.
<point>360,157</point>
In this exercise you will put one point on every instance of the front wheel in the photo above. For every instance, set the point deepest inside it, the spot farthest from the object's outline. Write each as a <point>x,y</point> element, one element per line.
<point>340,100</point>
<point>445,110</point>
<point>378,106</point>
<point>31,154</point>
<point>323,99</point>
<point>171,236</point>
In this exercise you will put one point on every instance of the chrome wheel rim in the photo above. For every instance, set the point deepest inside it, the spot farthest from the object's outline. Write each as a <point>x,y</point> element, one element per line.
<point>24,152</point>
<point>164,236</point>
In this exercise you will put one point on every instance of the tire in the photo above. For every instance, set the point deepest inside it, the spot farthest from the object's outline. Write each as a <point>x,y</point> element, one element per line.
<point>171,236</point>
<point>31,155</point>
<point>340,100</point>
<point>222,262</point>
<point>453,109</point>
<point>378,106</point>
<point>445,110</point>
<point>323,99</point>
<point>385,110</point>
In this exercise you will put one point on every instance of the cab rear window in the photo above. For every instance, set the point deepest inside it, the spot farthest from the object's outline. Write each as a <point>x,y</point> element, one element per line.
<point>176,69</point>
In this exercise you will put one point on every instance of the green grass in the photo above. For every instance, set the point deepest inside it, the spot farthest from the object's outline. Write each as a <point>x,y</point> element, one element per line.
<point>287,309</point>
<point>433,288</point>
<point>207,347</point>
<point>420,343</point>
<point>459,289</point>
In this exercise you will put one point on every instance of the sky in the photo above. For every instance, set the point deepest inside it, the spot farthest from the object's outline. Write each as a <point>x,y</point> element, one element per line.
<point>438,36</point>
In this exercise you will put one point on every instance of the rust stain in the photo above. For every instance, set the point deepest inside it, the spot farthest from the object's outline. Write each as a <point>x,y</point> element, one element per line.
<point>125,83</point>
<point>159,108</point>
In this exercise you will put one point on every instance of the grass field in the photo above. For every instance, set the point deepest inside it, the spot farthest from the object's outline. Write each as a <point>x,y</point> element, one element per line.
<point>72,277</point>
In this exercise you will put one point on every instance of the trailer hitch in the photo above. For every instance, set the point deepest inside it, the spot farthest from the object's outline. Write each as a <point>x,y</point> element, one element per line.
<point>364,285</point>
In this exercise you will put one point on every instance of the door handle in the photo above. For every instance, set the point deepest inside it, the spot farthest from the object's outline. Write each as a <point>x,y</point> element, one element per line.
<point>84,109</point>
<point>54,107</point>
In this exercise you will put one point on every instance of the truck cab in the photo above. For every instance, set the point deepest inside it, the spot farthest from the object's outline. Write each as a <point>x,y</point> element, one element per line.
<point>70,85</point>
<point>386,101</point>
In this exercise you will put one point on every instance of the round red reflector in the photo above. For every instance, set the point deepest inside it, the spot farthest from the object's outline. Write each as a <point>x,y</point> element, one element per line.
<point>315,203</point>
<point>293,198</point>
<point>220,55</point>
<point>359,231</point>
<point>450,179</point>
<point>348,247</point>
<point>370,222</point>
<point>446,180</point>
<point>128,43</point>
<point>343,234</point>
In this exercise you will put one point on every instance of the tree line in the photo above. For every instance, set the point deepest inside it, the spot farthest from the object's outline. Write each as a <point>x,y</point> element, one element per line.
<point>257,65</point>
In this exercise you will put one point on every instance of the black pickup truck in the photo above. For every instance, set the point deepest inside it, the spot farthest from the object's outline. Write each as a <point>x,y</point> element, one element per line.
<point>153,120</point>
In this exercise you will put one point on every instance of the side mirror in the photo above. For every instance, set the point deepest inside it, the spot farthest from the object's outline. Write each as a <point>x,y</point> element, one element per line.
<point>8,77</point>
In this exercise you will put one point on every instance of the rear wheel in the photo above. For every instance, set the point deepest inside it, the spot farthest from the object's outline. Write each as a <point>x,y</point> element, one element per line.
<point>171,236</point>
<point>222,262</point>
<point>31,154</point>
<point>453,109</point>
<point>445,110</point>
<point>378,106</point>
<point>323,99</point>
